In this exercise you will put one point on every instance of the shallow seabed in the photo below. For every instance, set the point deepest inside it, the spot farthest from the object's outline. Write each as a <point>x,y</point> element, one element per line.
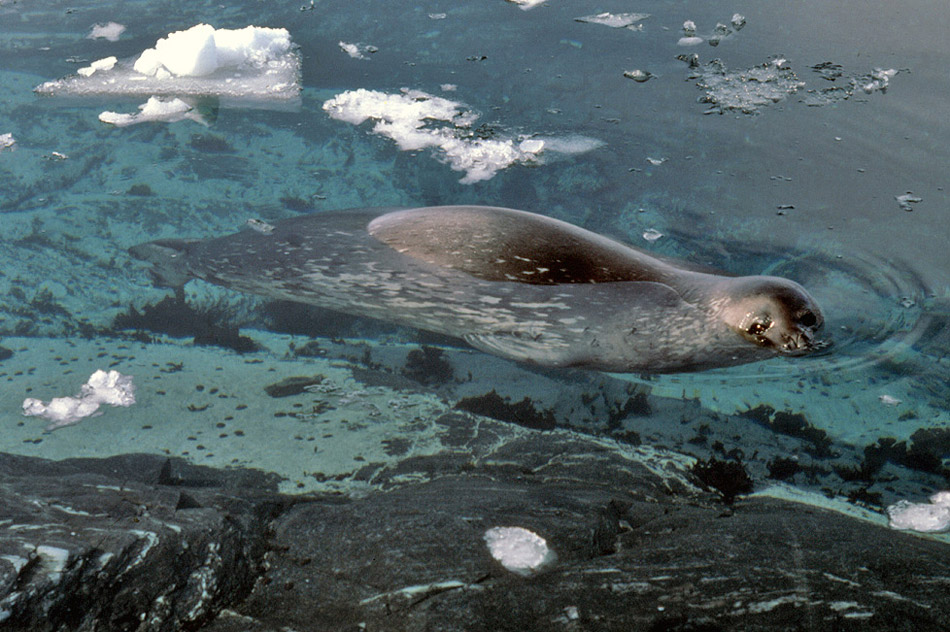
<point>798,153</point>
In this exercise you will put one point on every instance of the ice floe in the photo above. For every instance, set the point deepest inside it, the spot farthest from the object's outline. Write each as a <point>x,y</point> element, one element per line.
<point>156,109</point>
<point>7,141</point>
<point>357,51</point>
<point>110,31</point>
<point>106,63</point>
<point>416,120</point>
<point>924,517</point>
<point>907,199</point>
<point>255,62</point>
<point>518,550</point>
<point>110,388</point>
<point>615,20</point>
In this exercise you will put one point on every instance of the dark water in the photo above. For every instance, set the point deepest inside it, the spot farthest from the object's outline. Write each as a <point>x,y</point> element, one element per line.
<point>785,172</point>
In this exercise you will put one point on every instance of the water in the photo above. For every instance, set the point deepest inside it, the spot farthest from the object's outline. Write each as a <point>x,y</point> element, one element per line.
<point>800,166</point>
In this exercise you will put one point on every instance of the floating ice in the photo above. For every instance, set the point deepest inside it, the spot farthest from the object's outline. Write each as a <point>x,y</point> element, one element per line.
<point>888,400</point>
<point>747,90</point>
<point>524,5</point>
<point>638,75</point>
<point>689,41</point>
<point>253,63</point>
<point>878,80</point>
<point>614,20</point>
<point>518,550</point>
<point>109,31</point>
<point>738,21</point>
<point>156,110</point>
<point>357,51</point>
<point>107,63</point>
<point>448,87</point>
<point>925,517</point>
<point>7,141</point>
<point>652,234</point>
<point>905,201</point>
<point>111,388</point>
<point>260,226</point>
<point>411,118</point>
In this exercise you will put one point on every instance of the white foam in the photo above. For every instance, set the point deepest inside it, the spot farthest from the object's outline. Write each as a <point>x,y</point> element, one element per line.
<point>416,120</point>
<point>517,549</point>
<point>253,62</point>
<point>155,110</point>
<point>929,517</point>
<point>110,388</point>
<point>109,31</point>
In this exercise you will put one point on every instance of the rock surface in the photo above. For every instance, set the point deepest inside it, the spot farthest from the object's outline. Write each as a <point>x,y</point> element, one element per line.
<point>145,543</point>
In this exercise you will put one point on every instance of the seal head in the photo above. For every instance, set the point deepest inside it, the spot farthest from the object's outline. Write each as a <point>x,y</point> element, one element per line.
<point>771,312</point>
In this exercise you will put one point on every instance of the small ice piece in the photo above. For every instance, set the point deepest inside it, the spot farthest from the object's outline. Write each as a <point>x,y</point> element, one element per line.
<point>260,226</point>
<point>158,110</point>
<point>109,31</point>
<point>689,28</point>
<point>614,20</point>
<point>689,41</point>
<point>448,87</point>
<point>656,162</point>
<point>525,5</point>
<point>357,51</point>
<point>7,141</point>
<point>638,75</point>
<point>738,21</point>
<point>905,201</point>
<point>887,400</point>
<point>924,517</point>
<point>652,234</point>
<point>107,63</point>
<point>517,549</point>
<point>531,145</point>
<point>437,16</point>
<point>111,388</point>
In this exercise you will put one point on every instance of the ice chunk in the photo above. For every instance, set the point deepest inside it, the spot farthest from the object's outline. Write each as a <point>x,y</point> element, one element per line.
<point>614,20</point>
<point>889,400</point>
<point>747,90</point>
<point>905,201</point>
<point>107,63</point>
<point>109,31</point>
<point>357,51</point>
<point>738,21</point>
<point>517,549</point>
<point>416,120</point>
<point>252,63</point>
<point>524,5</point>
<point>689,41</point>
<point>652,234</point>
<point>925,517</point>
<point>7,141</point>
<point>111,388</point>
<point>156,109</point>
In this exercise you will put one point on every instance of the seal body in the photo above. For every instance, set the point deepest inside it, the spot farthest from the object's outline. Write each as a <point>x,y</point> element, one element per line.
<point>512,283</point>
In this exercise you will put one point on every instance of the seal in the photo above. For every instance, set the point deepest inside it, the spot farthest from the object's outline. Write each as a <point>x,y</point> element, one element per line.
<point>512,283</point>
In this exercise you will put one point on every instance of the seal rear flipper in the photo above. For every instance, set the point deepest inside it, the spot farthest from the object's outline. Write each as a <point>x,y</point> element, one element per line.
<point>169,260</point>
<point>522,347</point>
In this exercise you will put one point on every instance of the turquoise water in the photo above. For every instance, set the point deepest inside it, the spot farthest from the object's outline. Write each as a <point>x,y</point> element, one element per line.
<point>758,164</point>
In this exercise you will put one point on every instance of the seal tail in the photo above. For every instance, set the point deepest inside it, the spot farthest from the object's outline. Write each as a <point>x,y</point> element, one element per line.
<point>169,259</point>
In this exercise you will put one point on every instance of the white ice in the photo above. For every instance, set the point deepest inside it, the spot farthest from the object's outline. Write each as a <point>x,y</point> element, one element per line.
<point>517,549</point>
<point>357,51</point>
<point>107,63</point>
<point>614,20</point>
<point>109,31</point>
<point>155,109</point>
<point>110,388</point>
<point>924,517</point>
<point>6,141</point>
<point>416,120</point>
<point>524,5</point>
<point>253,62</point>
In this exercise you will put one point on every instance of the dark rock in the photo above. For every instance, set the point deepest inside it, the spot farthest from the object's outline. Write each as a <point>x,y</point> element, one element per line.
<point>292,385</point>
<point>729,478</point>
<point>523,413</point>
<point>5,353</point>
<point>428,365</point>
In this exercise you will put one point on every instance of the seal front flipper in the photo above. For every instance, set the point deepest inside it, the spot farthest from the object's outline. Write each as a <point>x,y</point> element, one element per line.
<point>169,259</point>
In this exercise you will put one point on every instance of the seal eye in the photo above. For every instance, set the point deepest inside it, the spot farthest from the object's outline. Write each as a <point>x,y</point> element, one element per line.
<point>759,327</point>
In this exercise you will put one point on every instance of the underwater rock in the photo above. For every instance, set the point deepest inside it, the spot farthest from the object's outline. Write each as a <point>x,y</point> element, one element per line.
<point>292,385</point>
<point>5,353</point>
<point>428,365</point>
<point>523,413</point>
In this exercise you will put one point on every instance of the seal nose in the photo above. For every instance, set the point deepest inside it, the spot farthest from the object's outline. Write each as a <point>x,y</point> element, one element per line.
<point>800,341</point>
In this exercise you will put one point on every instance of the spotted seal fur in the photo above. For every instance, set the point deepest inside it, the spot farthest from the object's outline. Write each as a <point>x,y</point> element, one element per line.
<point>516,284</point>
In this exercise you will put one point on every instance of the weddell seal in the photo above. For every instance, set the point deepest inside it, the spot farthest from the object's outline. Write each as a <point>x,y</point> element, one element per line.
<point>512,283</point>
